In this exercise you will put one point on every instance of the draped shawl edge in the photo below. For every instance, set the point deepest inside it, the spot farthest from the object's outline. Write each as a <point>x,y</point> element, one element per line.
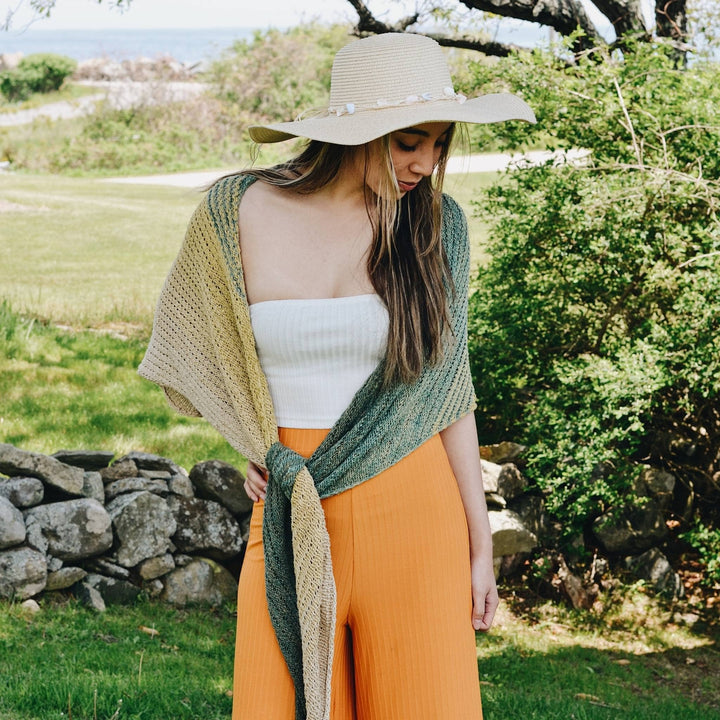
<point>202,353</point>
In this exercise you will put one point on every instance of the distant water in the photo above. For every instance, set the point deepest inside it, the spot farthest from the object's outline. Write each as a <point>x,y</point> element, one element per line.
<point>187,46</point>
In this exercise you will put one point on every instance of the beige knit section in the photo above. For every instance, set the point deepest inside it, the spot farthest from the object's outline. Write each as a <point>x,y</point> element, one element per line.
<point>217,365</point>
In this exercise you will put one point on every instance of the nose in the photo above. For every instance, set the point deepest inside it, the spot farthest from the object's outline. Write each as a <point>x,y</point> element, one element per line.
<point>424,160</point>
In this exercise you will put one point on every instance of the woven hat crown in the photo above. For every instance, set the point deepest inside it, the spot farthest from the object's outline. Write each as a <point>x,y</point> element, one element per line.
<point>388,68</point>
<point>388,82</point>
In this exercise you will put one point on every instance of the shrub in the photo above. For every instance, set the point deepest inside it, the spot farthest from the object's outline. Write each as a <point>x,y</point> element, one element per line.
<point>40,72</point>
<point>595,328</point>
<point>278,73</point>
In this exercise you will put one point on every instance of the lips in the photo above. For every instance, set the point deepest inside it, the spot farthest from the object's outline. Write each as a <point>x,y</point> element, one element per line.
<point>406,187</point>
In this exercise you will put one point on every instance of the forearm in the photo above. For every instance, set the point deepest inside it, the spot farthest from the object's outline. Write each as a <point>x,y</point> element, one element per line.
<point>461,445</point>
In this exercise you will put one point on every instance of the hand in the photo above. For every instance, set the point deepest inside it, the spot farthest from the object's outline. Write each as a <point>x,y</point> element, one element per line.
<point>484,592</point>
<point>256,482</point>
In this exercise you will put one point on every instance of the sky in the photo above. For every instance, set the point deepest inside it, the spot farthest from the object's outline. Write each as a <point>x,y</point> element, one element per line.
<point>89,14</point>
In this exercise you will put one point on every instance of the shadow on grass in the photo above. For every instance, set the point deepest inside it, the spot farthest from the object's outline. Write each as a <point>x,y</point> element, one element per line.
<point>589,683</point>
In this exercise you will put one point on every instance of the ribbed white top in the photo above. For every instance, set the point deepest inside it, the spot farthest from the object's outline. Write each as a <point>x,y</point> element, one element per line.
<point>316,354</point>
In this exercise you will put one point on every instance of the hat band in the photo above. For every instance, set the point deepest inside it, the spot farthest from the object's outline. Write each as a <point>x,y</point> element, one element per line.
<point>381,103</point>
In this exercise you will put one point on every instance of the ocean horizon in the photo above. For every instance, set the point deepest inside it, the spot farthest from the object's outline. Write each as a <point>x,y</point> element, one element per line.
<point>189,46</point>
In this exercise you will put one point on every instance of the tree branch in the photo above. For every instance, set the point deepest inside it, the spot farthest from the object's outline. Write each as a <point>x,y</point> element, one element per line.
<point>625,15</point>
<point>565,16</point>
<point>489,47</point>
<point>368,23</point>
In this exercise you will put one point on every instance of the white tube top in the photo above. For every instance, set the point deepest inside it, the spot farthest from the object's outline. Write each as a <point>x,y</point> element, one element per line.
<point>316,354</point>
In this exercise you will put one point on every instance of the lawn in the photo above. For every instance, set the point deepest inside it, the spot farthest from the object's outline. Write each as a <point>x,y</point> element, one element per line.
<point>154,662</point>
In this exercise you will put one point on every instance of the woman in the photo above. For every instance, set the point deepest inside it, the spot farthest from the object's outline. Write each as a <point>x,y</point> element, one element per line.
<point>316,315</point>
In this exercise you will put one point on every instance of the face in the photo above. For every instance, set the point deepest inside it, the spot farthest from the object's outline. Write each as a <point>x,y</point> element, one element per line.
<point>414,152</point>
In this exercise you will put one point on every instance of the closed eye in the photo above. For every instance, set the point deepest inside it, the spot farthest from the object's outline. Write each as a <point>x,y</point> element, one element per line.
<point>406,148</point>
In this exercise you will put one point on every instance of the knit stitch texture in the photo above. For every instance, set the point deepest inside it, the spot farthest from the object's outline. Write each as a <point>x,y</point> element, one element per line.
<point>202,352</point>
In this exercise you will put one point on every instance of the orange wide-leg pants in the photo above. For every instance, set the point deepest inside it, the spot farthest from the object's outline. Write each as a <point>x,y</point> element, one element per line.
<point>404,643</point>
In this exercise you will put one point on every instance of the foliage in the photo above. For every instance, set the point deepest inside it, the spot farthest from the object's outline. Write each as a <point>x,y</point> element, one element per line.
<point>707,542</point>
<point>278,73</point>
<point>270,78</point>
<point>595,328</point>
<point>37,73</point>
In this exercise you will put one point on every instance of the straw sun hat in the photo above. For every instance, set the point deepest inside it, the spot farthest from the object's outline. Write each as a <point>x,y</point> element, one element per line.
<point>388,82</point>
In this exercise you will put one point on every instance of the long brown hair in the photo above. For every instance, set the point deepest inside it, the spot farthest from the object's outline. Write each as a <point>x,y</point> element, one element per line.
<point>407,264</point>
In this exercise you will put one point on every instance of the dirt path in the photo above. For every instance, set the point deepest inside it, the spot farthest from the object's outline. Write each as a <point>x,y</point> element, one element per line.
<point>120,94</point>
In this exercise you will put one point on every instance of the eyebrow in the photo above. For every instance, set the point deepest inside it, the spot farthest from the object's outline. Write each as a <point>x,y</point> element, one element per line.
<point>417,131</point>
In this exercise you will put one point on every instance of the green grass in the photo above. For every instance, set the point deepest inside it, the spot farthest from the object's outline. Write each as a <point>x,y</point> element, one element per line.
<point>62,389</point>
<point>67,93</point>
<point>70,662</point>
<point>87,253</point>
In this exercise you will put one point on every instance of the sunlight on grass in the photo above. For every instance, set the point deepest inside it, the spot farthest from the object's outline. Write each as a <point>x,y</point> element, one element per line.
<point>87,254</point>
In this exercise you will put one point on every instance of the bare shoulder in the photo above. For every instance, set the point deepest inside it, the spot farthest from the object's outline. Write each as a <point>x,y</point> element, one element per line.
<point>261,199</point>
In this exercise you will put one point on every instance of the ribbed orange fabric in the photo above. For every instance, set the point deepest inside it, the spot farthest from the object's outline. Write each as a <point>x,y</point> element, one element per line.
<point>404,643</point>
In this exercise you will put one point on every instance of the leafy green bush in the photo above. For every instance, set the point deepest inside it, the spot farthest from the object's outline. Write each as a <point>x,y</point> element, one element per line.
<point>278,73</point>
<point>37,73</point>
<point>595,328</point>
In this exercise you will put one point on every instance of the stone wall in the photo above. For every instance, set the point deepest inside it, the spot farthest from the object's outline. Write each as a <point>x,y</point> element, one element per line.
<point>106,530</point>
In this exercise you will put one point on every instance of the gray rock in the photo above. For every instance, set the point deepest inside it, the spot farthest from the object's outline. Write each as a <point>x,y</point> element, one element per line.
<point>89,597</point>
<point>202,581</point>
<point>112,590</point>
<point>153,588</point>
<point>205,527</point>
<point>657,484</point>
<point>85,459</point>
<point>135,484</point>
<point>64,578</point>
<point>103,566</point>
<point>181,485</point>
<point>53,563</point>
<point>35,537</point>
<point>12,526</point>
<point>631,529</point>
<point>531,510</point>
<point>148,461</point>
<point>52,472</point>
<point>118,470</point>
<point>653,567</point>
<point>72,529</point>
<point>490,474</point>
<point>23,573</point>
<point>494,500</point>
<point>223,483</point>
<point>509,535</point>
<point>181,560</point>
<point>155,474</point>
<point>156,567</point>
<point>511,482</point>
<point>93,486</point>
<point>143,526</point>
<point>22,492</point>
<point>502,452</point>
<point>30,606</point>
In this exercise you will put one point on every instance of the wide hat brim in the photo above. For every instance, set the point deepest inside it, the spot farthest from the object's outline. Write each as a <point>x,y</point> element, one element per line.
<point>362,126</point>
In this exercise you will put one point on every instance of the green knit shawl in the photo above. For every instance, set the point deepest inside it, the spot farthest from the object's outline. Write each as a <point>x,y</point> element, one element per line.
<point>380,427</point>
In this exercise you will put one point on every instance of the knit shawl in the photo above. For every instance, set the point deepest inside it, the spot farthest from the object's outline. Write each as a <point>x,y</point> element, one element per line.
<point>202,352</point>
